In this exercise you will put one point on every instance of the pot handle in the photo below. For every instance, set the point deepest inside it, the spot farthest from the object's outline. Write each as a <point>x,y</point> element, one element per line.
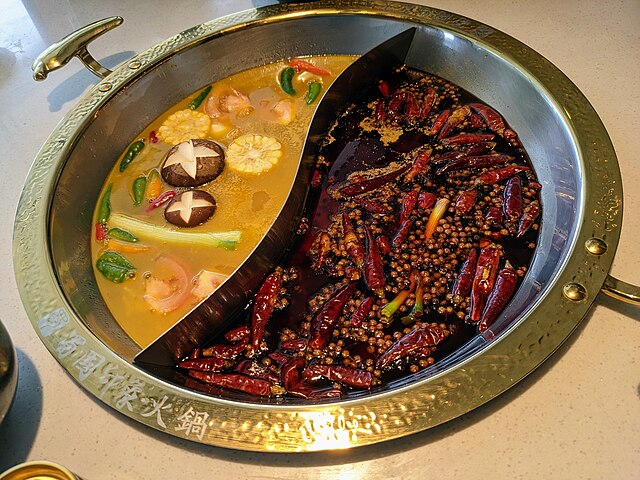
<point>74,45</point>
<point>622,291</point>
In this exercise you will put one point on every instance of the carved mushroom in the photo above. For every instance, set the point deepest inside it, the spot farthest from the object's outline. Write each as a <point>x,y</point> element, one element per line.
<point>190,208</point>
<point>193,163</point>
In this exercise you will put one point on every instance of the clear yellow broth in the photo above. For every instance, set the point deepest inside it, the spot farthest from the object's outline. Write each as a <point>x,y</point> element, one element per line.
<point>245,202</point>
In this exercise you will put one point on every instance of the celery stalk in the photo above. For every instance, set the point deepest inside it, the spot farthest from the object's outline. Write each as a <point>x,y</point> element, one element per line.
<point>226,240</point>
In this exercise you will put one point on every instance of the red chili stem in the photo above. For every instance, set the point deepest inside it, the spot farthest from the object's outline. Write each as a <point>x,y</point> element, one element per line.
<point>235,381</point>
<point>264,306</point>
<point>426,335</point>
<point>161,200</point>
<point>499,297</point>
<point>324,321</point>
<point>369,184</point>
<point>373,269</point>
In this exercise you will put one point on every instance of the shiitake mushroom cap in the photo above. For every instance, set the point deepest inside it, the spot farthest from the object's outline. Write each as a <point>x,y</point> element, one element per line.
<point>190,208</point>
<point>208,167</point>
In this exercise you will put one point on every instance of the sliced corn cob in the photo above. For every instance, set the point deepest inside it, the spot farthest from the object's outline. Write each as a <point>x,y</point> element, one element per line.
<point>253,153</point>
<point>183,126</point>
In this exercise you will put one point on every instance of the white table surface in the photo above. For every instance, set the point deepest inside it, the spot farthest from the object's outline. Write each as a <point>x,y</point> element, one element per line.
<point>578,416</point>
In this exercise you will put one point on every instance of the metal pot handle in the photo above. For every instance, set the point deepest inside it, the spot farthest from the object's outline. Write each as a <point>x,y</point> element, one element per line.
<point>74,45</point>
<point>622,291</point>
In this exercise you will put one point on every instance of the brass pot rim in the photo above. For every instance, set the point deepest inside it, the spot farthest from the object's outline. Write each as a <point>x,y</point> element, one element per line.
<point>359,421</point>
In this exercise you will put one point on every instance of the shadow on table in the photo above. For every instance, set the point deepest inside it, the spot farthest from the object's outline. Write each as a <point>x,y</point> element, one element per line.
<point>363,454</point>
<point>73,87</point>
<point>19,428</point>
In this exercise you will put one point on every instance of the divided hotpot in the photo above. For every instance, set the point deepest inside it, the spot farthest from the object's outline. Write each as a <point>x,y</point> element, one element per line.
<point>568,145</point>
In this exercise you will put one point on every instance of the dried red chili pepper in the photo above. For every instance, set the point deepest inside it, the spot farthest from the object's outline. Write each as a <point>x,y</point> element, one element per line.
<point>491,117</point>
<point>319,250</point>
<point>263,307</point>
<point>352,242</point>
<point>409,201</point>
<point>226,351</point>
<point>495,176</point>
<point>484,279</point>
<point>161,200</point>
<point>153,138</point>
<point>494,214</point>
<point>384,88</point>
<point>412,108</point>
<point>361,313</point>
<point>325,319</point>
<point>499,297</point>
<point>306,390</point>
<point>466,200</point>
<point>300,65</point>
<point>456,118</point>
<point>290,372</point>
<point>211,364</point>
<point>363,186</point>
<point>419,164</point>
<point>429,102</point>
<point>297,345</point>
<point>351,377</point>
<point>373,269</point>
<point>512,199</point>
<point>316,179</point>
<point>237,334</point>
<point>381,112</point>
<point>395,109</point>
<point>235,381</point>
<point>383,244</point>
<point>426,200</point>
<point>468,138</point>
<point>426,335</point>
<point>401,235</point>
<point>475,121</point>
<point>279,358</point>
<point>464,151</point>
<point>372,206</point>
<point>474,161</point>
<point>254,369</point>
<point>101,233</point>
<point>529,216</point>
<point>439,122</point>
<point>462,285</point>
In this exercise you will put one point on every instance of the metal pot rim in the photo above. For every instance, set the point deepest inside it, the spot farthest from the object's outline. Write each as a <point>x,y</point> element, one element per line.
<point>359,421</point>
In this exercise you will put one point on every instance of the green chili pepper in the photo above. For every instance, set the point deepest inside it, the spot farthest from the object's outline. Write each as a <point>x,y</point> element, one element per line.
<point>123,235</point>
<point>195,103</point>
<point>134,150</point>
<point>104,212</point>
<point>114,267</point>
<point>139,186</point>
<point>286,77</point>
<point>314,91</point>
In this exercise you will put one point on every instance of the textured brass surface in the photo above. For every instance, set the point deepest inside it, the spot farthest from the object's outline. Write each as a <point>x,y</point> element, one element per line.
<point>622,291</point>
<point>358,421</point>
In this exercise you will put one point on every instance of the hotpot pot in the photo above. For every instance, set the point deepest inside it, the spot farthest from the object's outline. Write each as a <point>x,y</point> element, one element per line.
<point>567,143</point>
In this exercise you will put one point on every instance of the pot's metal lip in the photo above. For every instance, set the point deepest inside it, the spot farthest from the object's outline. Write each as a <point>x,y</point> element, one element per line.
<point>360,421</point>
